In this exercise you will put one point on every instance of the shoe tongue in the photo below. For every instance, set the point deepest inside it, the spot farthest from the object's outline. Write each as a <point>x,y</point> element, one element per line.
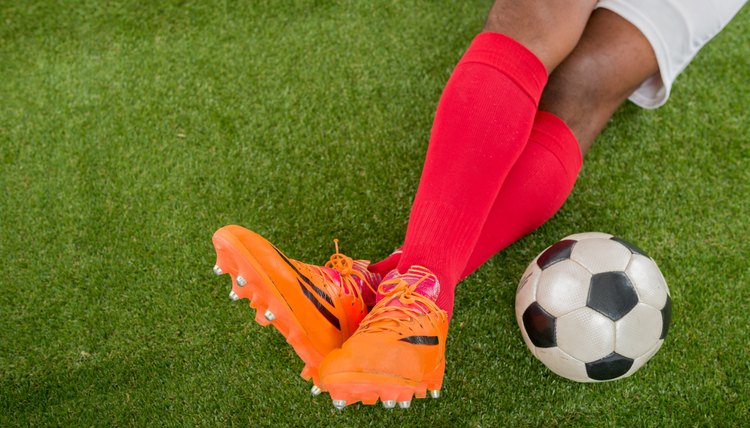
<point>372,281</point>
<point>361,267</point>
<point>428,286</point>
<point>312,271</point>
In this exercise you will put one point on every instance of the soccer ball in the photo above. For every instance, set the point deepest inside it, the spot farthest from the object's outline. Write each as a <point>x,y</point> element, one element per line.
<point>593,307</point>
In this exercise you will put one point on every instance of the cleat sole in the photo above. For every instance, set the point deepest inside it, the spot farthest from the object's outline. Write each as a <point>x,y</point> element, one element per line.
<point>311,372</point>
<point>260,319</point>
<point>368,388</point>
<point>370,398</point>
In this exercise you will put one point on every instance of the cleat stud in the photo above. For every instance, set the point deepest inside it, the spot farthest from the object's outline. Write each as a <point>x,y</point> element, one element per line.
<point>217,270</point>
<point>233,296</point>
<point>315,391</point>
<point>269,315</point>
<point>241,281</point>
<point>389,404</point>
<point>339,404</point>
<point>435,393</point>
<point>404,404</point>
<point>260,319</point>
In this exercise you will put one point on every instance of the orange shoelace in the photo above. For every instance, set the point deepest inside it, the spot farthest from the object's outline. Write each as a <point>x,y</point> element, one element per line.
<point>345,266</point>
<point>406,295</point>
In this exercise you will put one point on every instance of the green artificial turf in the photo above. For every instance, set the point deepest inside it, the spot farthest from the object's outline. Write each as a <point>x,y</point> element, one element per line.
<point>131,130</point>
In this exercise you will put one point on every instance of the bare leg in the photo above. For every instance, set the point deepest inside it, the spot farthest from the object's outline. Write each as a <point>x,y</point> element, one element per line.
<point>610,61</point>
<point>548,28</point>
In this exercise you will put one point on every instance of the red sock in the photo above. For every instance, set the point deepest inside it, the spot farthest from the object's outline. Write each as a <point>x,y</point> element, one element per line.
<point>481,126</point>
<point>387,264</point>
<point>533,191</point>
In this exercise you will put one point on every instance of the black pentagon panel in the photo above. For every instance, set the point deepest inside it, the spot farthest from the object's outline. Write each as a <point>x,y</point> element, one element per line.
<point>666,318</point>
<point>630,246</point>
<point>612,294</point>
<point>558,252</point>
<point>540,326</point>
<point>610,367</point>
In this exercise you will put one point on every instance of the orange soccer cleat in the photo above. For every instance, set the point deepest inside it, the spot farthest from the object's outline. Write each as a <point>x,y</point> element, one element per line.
<point>399,349</point>
<point>316,308</point>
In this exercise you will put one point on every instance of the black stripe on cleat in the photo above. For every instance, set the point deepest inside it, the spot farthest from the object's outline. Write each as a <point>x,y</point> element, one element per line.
<point>319,306</point>
<point>320,292</point>
<point>421,340</point>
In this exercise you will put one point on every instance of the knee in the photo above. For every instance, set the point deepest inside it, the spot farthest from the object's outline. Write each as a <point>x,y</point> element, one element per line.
<point>549,28</point>
<point>583,97</point>
<point>611,60</point>
<point>576,85</point>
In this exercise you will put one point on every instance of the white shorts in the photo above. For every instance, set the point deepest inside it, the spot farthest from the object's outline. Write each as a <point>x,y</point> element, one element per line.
<point>677,30</point>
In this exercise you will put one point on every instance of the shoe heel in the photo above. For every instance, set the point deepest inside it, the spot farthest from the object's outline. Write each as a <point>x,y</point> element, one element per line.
<point>234,258</point>
<point>224,261</point>
<point>434,380</point>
